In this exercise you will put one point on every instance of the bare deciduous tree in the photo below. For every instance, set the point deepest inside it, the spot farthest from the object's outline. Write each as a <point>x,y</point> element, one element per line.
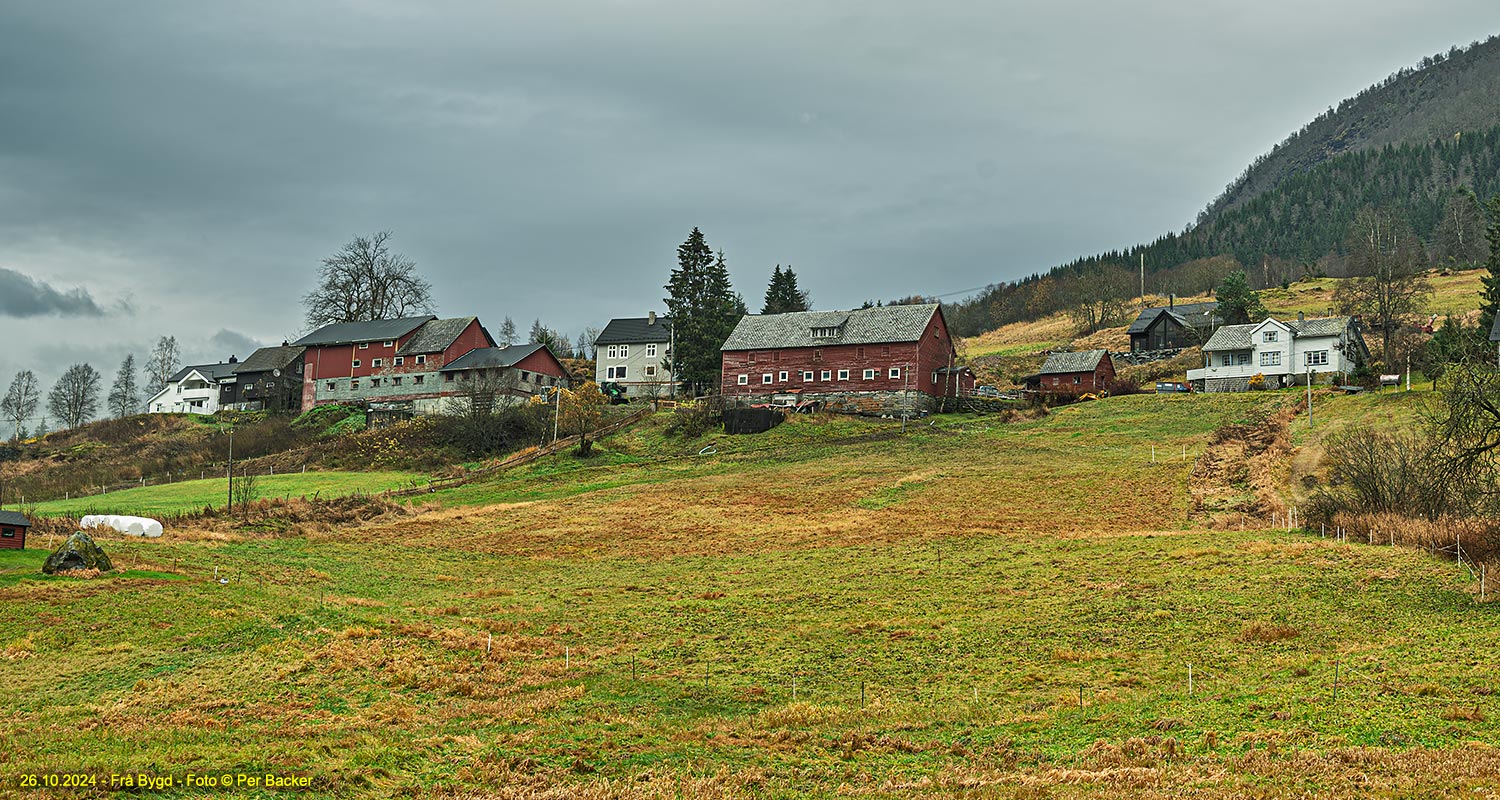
<point>1388,288</point>
<point>1098,297</point>
<point>164,360</point>
<point>74,400</point>
<point>20,401</point>
<point>123,399</point>
<point>366,281</point>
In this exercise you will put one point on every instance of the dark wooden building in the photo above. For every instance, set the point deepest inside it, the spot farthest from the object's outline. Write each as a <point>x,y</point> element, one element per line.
<point>13,527</point>
<point>1075,373</point>
<point>1174,326</point>
<point>270,379</point>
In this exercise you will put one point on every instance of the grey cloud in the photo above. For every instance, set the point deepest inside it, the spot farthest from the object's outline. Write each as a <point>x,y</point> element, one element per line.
<point>24,296</point>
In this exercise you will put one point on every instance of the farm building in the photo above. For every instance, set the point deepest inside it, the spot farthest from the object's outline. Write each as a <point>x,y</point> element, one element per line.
<point>13,527</point>
<point>883,360</point>
<point>1074,373</point>
<point>392,361</point>
<point>521,370</point>
<point>270,379</point>
<point>634,353</point>
<point>1282,352</point>
<point>1173,327</point>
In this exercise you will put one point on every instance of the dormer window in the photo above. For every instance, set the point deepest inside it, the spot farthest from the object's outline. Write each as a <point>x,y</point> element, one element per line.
<point>826,332</point>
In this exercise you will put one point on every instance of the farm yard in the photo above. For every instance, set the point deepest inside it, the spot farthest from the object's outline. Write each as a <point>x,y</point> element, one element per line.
<point>1033,608</point>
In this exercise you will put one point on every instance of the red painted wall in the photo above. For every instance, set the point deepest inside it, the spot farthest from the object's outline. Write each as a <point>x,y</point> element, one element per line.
<point>12,537</point>
<point>1096,381</point>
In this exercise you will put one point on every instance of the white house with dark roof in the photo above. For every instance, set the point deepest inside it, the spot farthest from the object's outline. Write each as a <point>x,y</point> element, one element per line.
<point>635,353</point>
<point>199,389</point>
<point>1285,353</point>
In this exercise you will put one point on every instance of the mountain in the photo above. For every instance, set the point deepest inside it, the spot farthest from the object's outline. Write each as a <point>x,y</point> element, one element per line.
<point>1424,143</point>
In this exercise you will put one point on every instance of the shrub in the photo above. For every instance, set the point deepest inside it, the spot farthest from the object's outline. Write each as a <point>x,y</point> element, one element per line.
<point>1257,382</point>
<point>693,418</point>
<point>1122,385</point>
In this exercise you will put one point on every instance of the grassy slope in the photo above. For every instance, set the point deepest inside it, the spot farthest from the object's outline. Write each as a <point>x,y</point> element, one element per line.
<point>187,496</point>
<point>961,561</point>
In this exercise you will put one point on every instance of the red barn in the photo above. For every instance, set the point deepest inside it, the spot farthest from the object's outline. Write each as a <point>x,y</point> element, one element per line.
<point>391,362</point>
<point>13,527</point>
<point>1076,373</point>
<point>885,360</point>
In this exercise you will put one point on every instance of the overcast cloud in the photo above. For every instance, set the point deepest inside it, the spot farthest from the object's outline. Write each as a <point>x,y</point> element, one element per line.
<point>184,166</point>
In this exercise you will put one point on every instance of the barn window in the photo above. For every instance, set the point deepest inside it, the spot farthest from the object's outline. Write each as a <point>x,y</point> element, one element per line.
<point>869,374</point>
<point>364,345</point>
<point>817,354</point>
<point>843,374</point>
<point>10,533</point>
<point>885,350</point>
<point>765,379</point>
<point>894,372</point>
<point>526,376</point>
<point>332,387</point>
<point>395,381</point>
<point>859,352</point>
<point>421,359</point>
<point>752,357</point>
<point>400,360</point>
<point>418,380</point>
<point>1077,379</point>
<point>448,376</point>
<point>744,380</point>
<point>387,343</point>
<point>375,362</point>
<point>356,362</point>
<point>353,384</point>
<point>826,375</point>
<point>781,376</point>
<point>807,376</point>
<point>934,377</point>
<point>374,381</point>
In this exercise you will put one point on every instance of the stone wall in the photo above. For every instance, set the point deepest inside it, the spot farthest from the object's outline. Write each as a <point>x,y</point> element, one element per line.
<point>873,403</point>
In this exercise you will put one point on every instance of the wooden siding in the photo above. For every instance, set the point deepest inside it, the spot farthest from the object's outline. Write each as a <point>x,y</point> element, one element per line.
<point>12,537</point>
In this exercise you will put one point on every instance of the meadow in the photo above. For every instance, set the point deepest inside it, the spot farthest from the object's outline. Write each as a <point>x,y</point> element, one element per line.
<point>834,607</point>
<point>185,497</point>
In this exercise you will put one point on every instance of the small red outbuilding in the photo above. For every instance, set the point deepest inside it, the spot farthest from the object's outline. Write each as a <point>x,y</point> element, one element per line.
<point>13,527</point>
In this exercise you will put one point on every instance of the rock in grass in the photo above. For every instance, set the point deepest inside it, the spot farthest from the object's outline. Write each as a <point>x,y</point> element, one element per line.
<point>79,552</point>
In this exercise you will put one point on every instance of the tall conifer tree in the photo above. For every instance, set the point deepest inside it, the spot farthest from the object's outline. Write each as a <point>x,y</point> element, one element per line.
<point>704,311</point>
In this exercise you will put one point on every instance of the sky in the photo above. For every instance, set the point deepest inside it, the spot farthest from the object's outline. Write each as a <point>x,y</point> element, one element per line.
<point>179,168</point>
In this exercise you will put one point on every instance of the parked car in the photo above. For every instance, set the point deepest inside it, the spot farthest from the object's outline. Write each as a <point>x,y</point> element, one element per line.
<point>1167,387</point>
<point>986,391</point>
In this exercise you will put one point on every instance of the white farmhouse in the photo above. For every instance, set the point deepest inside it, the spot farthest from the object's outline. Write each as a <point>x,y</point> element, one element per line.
<point>635,353</point>
<point>1284,352</point>
<point>201,389</point>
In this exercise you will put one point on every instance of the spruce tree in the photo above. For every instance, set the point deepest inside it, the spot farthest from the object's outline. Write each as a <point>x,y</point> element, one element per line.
<point>703,307</point>
<point>782,295</point>
<point>123,399</point>
<point>1237,303</point>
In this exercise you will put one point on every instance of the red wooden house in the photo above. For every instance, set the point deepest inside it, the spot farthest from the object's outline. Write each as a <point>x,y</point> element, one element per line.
<point>890,359</point>
<point>1075,373</point>
<point>13,527</point>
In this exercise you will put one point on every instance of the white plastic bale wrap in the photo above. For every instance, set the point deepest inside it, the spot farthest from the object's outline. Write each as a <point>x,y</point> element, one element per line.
<point>130,526</point>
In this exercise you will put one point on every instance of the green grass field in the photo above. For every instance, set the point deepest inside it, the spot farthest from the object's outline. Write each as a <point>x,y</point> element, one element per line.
<point>965,608</point>
<point>188,496</point>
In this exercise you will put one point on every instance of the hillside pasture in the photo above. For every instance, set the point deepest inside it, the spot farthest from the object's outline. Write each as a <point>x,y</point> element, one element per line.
<point>185,497</point>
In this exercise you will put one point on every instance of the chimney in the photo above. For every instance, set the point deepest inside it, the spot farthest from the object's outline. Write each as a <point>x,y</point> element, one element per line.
<point>1300,316</point>
<point>285,343</point>
<point>233,360</point>
<point>1171,301</point>
<point>651,318</point>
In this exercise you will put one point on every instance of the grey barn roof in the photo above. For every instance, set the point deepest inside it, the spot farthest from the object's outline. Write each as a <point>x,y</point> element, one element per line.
<point>14,518</point>
<point>1237,337</point>
<point>1081,361</point>
<point>492,357</point>
<point>269,358</point>
<point>634,330</point>
<point>1495,330</point>
<point>379,330</point>
<point>1191,315</point>
<point>861,326</point>
<point>437,335</point>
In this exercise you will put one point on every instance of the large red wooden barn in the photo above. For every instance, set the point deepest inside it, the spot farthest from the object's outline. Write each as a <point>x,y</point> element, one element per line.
<point>889,359</point>
<point>409,363</point>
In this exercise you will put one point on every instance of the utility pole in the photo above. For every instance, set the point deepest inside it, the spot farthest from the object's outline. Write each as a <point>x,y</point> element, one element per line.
<point>1408,371</point>
<point>1143,279</point>
<point>229,507</point>
<point>557,415</point>
<point>1309,396</point>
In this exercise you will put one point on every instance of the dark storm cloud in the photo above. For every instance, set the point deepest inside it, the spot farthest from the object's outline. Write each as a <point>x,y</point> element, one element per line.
<point>24,296</point>
<point>545,160</point>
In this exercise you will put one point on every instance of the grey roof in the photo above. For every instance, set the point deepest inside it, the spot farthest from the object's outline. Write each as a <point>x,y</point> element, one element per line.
<point>436,335</point>
<point>1495,330</point>
<point>490,357</point>
<point>269,358</point>
<point>1081,361</point>
<point>214,372</point>
<point>861,326</point>
<point>636,330</point>
<point>379,330</point>
<point>14,518</point>
<point>1190,315</point>
<point>1237,337</point>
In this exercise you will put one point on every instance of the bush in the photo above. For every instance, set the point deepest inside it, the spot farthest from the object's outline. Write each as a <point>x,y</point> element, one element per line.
<point>482,435</point>
<point>1257,382</point>
<point>694,418</point>
<point>1123,385</point>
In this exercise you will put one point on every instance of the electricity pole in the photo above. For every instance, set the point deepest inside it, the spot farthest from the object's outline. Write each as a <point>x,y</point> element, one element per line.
<point>557,415</point>
<point>1309,396</point>
<point>229,507</point>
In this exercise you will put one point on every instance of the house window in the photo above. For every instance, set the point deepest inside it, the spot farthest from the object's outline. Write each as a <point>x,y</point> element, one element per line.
<point>894,372</point>
<point>1077,379</point>
<point>869,374</point>
<point>609,373</point>
<point>1228,359</point>
<point>1317,358</point>
<point>781,376</point>
<point>1270,358</point>
<point>353,384</point>
<point>765,379</point>
<point>620,372</point>
<point>377,362</point>
<point>650,372</point>
<point>825,374</point>
<point>526,376</point>
<point>333,386</point>
<point>1270,336</point>
<point>356,362</point>
<point>613,352</point>
<point>807,376</point>
<point>1242,359</point>
<point>651,351</point>
<point>400,360</point>
<point>744,380</point>
<point>624,351</point>
<point>417,379</point>
<point>421,359</point>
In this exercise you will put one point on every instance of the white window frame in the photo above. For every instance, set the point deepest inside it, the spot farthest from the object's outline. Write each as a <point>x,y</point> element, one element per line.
<point>651,371</point>
<point>356,363</point>
<point>377,362</point>
<point>421,359</point>
<point>399,360</point>
<point>807,376</point>
<point>843,374</point>
<point>364,345</point>
<point>893,372</point>
<point>869,374</point>
<point>1270,358</point>
<point>624,351</point>
<point>651,351</point>
<point>744,380</point>
<point>781,376</point>
<point>612,352</point>
<point>825,375</point>
<point>333,386</point>
<point>1315,358</point>
<point>765,378</point>
<point>1269,336</point>
<point>609,373</point>
<point>388,343</point>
